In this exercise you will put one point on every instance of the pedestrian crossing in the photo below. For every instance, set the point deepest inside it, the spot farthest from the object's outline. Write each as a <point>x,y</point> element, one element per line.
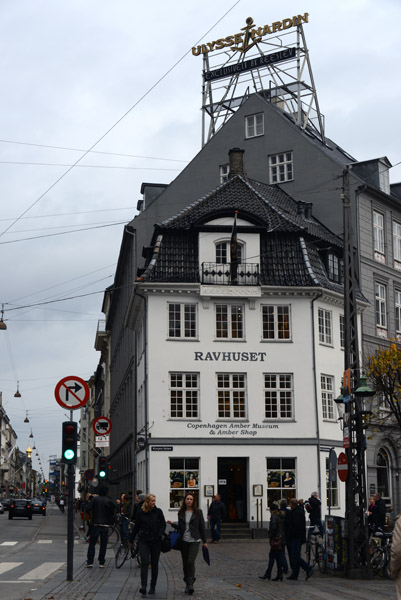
<point>43,541</point>
<point>39,573</point>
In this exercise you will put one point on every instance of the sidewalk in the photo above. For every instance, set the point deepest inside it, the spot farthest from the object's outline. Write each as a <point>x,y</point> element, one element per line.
<point>233,575</point>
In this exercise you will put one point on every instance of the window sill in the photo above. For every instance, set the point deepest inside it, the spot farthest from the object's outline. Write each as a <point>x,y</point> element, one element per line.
<point>177,339</point>
<point>251,137</point>
<point>276,341</point>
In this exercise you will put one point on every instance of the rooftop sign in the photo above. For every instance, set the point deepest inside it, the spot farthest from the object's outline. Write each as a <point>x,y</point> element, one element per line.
<point>242,42</point>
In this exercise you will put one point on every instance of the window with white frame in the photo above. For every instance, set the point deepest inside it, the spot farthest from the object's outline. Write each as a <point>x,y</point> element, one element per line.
<point>335,268</point>
<point>331,486</point>
<point>378,233</point>
<point>397,300</point>
<point>182,320</point>
<point>279,392</point>
<point>397,241</point>
<point>276,322</point>
<point>342,331</point>
<point>254,125</point>
<point>325,326</point>
<point>230,321</point>
<point>281,167</point>
<point>381,310</point>
<point>224,172</point>
<point>223,253</point>
<point>184,395</point>
<point>327,395</point>
<point>231,395</point>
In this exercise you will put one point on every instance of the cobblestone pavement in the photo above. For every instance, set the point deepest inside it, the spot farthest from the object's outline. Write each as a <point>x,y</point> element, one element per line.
<point>233,575</point>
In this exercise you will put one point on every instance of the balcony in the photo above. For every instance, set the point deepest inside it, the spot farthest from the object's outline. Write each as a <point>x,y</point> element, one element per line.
<point>224,274</point>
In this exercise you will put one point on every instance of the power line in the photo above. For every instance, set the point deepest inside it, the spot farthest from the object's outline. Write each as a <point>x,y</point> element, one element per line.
<point>40,164</point>
<point>36,237</point>
<point>116,123</point>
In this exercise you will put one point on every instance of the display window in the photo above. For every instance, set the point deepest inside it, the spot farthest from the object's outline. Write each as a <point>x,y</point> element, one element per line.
<point>184,477</point>
<point>281,479</point>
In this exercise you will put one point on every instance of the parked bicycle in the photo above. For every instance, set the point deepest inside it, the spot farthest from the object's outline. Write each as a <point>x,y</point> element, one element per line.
<point>379,553</point>
<point>315,550</point>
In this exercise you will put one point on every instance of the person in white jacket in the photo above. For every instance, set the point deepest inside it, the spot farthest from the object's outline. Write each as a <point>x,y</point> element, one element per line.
<point>395,563</point>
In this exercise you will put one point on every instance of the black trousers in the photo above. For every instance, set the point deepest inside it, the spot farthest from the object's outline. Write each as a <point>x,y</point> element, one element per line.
<point>150,553</point>
<point>189,553</point>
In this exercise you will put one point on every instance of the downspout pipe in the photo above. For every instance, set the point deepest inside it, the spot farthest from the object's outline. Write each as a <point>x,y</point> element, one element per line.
<point>146,415</point>
<point>319,476</point>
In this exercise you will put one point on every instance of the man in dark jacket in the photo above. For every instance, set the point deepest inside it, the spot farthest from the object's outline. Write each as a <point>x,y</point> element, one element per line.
<point>315,512</point>
<point>103,510</point>
<point>295,527</point>
<point>379,516</point>
<point>215,514</point>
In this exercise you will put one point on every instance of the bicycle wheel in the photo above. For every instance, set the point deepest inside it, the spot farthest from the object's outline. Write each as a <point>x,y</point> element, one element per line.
<point>122,554</point>
<point>308,552</point>
<point>114,537</point>
<point>377,560</point>
<point>321,558</point>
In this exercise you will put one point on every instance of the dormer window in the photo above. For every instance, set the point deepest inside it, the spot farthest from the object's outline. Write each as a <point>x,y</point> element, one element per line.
<point>223,253</point>
<point>335,268</point>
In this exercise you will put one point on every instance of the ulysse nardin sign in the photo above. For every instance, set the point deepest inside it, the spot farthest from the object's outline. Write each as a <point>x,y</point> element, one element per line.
<point>248,65</point>
<point>242,42</point>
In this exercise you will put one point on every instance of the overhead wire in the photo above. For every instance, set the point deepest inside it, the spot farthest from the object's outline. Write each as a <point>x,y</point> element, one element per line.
<point>102,137</point>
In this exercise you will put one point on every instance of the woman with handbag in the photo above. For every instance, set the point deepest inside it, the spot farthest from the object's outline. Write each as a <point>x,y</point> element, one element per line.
<point>191,526</point>
<point>150,525</point>
<point>277,542</point>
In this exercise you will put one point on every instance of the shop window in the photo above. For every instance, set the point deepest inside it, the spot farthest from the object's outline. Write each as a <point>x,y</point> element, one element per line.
<point>276,323</point>
<point>331,486</point>
<point>184,477</point>
<point>280,168</point>
<point>327,395</point>
<point>325,327</point>
<point>278,396</point>
<point>231,395</point>
<point>254,125</point>
<point>281,479</point>
<point>182,320</point>
<point>229,321</point>
<point>184,395</point>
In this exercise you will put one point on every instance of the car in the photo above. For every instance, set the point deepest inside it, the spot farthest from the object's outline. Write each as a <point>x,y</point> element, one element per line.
<point>38,506</point>
<point>6,503</point>
<point>20,507</point>
<point>1,509</point>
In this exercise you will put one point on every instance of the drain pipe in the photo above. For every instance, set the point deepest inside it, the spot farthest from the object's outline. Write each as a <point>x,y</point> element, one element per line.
<point>145,337</point>
<point>319,477</point>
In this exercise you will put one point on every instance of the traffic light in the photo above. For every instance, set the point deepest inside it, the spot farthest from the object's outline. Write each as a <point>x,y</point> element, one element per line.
<point>103,468</point>
<point>69,442</point>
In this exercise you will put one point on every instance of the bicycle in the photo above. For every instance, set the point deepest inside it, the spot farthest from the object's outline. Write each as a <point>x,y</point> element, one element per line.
<point>315,550</point>
<point>379,554</point>
<point>114,535</point>
<point>125,548</point>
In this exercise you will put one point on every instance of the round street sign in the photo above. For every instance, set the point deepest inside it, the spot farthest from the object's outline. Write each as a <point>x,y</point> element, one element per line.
<point>342,466</point>
<point>89,474</point>
<point>72,392</point>
<point>101,426</point>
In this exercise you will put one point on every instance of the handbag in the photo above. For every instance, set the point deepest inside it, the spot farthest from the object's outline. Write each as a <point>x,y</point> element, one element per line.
<point>166,543</point>
<point>175,540</point>
<point>275,543</point>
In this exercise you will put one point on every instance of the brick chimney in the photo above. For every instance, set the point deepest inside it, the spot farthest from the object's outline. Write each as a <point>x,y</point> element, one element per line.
<point>236,162</point>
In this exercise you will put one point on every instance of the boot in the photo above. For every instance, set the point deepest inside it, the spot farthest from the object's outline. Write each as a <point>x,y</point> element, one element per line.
<point>186,586</point>
<point>190,586</point>
<point>266,575</point>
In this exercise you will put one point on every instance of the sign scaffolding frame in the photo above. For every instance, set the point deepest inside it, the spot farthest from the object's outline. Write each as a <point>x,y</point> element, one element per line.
<point>276,66</point>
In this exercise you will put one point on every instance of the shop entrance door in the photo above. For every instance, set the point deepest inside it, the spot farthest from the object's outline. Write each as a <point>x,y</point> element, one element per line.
<point>232,486</point>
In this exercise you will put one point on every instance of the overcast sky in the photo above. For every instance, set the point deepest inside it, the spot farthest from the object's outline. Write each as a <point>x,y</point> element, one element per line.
<point>69,71</point>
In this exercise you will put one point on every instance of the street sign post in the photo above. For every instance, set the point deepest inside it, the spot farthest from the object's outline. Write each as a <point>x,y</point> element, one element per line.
<point>342,466</point>
<point>72,392</point>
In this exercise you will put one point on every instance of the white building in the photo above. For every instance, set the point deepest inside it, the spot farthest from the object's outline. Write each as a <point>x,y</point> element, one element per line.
<point>238,364</point>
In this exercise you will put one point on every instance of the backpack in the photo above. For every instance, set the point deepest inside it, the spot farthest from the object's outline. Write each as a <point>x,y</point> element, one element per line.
<point>308,506</point>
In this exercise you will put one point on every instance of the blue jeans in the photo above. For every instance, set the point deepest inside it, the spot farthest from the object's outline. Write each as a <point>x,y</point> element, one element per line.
<point>215,530</point>
<point>103,532</point>
<point>295,558</point>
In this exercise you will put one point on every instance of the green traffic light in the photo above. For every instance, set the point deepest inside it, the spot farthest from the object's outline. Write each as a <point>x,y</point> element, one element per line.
<point>102,474</point>
<point>69,454</point>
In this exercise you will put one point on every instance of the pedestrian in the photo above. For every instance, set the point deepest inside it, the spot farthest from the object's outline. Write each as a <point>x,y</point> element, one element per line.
<point>315,512</point>
<point>150,526</point>
<point>216,514</point>
<point>126,512</point>
<point>277,542</point>
<point>139,498</point>
<point>191,526</point>
<point>371,504</point>
<point>103,511</point>
<point>295,531</point>
<point>378,514</point>
<point>88,516</point>
<point>61,504</point>
<point>283,511</point>
<point>395,562</point>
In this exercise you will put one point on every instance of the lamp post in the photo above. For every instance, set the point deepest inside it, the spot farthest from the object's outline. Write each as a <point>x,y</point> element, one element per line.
<point>354,389</point>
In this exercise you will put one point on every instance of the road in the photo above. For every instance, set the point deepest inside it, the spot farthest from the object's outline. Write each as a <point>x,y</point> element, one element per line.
<point>31,551</point>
